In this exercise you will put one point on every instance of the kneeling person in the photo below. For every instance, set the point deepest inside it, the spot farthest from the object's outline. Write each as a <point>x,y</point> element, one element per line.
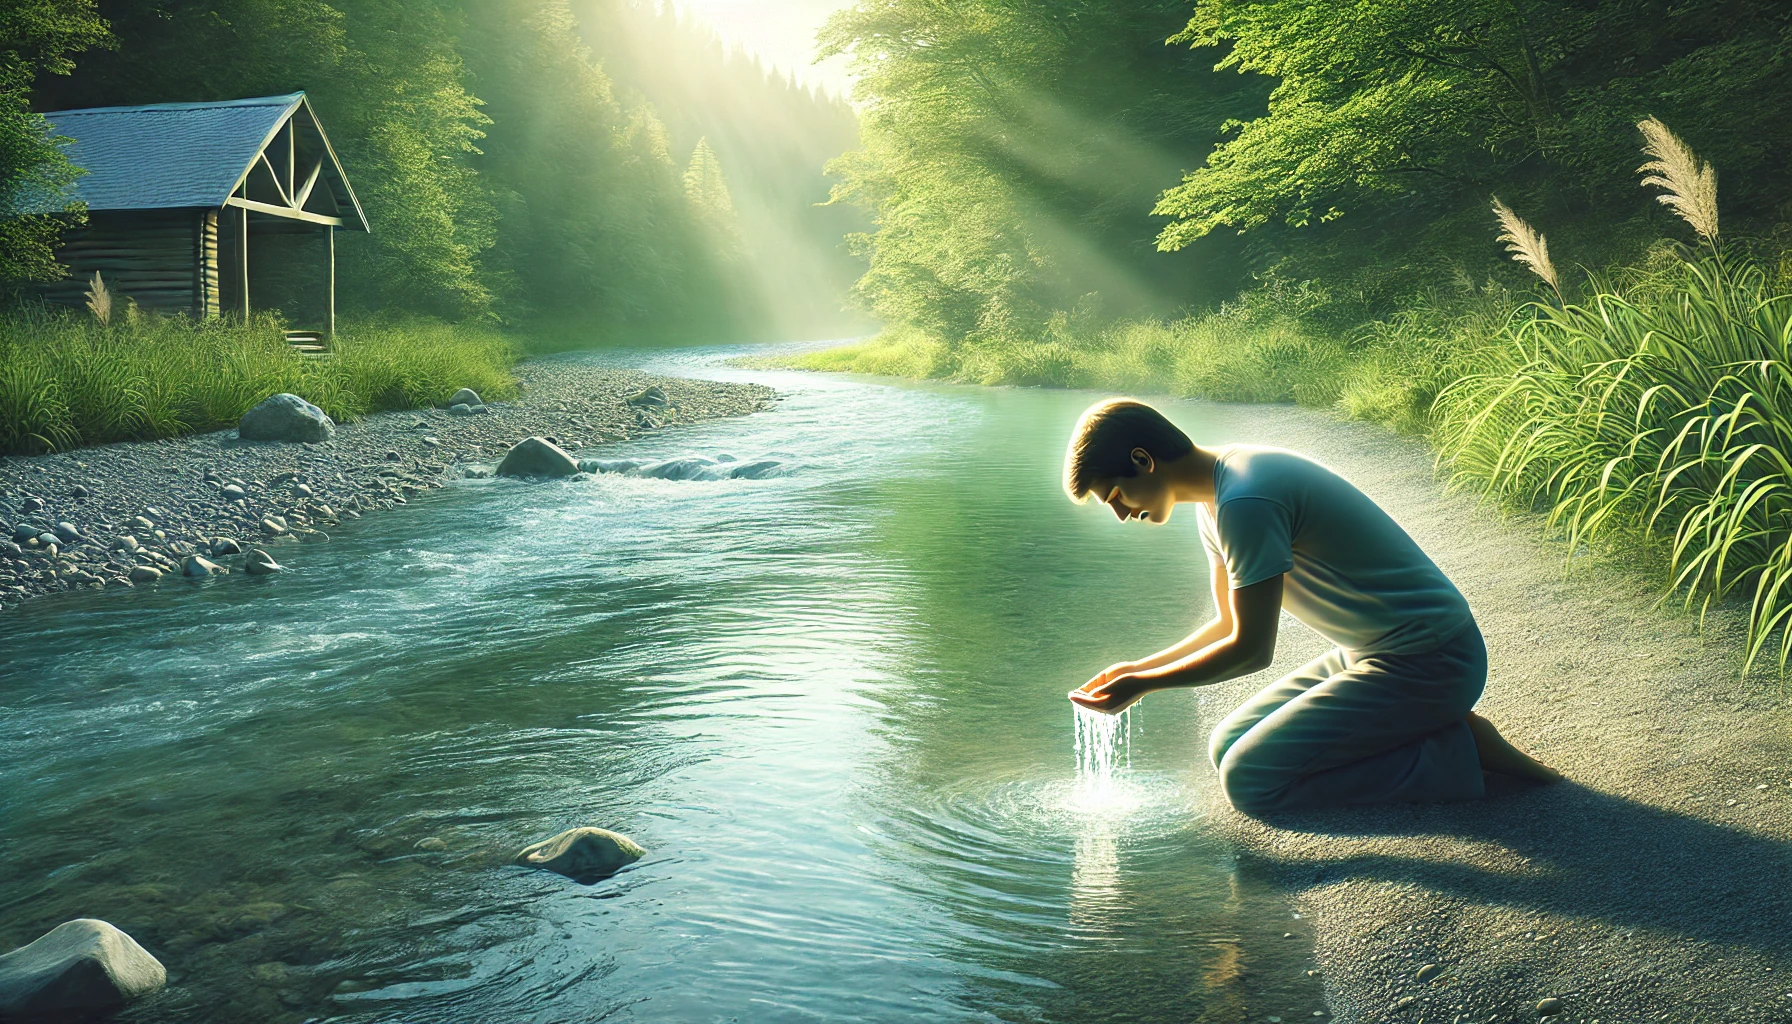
<point>1385,715</point>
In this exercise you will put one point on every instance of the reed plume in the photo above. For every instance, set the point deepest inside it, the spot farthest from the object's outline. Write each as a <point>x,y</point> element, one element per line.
<point>1527,246</point>
<point>99,300</point>
<point>1688,184</point>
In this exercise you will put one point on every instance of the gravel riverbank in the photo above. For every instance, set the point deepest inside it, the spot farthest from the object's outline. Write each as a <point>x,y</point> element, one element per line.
<point>1651,886</point>
<point>140,508</point>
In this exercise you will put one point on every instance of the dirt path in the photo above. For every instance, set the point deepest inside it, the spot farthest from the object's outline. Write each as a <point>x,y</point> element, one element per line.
<point>1655,885</point>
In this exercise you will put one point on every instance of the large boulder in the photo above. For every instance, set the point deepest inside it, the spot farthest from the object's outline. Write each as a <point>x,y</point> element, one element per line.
<point>78,968</point>
<point>286,418</point>
<point>537,456</point>
<point>583,854</point>
<point>465,396</point>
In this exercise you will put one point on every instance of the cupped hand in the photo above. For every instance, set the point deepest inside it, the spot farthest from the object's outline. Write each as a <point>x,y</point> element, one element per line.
<point>1110,694</point>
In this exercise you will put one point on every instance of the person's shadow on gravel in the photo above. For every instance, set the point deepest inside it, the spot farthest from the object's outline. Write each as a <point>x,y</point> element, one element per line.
<point>1587,855</point>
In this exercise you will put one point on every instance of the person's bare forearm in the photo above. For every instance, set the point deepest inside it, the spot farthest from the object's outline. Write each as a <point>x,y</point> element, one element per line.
<point>1225,659</point>
<point>1200,639</point>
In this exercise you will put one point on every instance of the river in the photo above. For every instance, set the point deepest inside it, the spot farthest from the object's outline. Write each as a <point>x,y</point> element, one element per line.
<point>830,704</point>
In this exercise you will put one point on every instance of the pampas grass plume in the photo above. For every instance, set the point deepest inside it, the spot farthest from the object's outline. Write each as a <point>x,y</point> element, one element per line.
<point>1527,246</point>
<point>99,300</point>
<point>1689,186</point>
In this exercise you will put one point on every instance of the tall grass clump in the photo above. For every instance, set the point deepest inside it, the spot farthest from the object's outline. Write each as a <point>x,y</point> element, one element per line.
<point>68,380</point>
<point>1659,410</point>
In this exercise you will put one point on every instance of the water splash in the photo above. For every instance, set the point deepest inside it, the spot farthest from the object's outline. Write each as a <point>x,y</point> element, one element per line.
<point>1103,746</point>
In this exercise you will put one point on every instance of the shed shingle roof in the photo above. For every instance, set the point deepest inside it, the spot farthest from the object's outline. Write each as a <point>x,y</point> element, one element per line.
<point>165,155</point>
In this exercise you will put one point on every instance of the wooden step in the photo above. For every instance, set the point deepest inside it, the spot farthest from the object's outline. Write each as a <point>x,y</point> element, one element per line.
<point>309,344</point>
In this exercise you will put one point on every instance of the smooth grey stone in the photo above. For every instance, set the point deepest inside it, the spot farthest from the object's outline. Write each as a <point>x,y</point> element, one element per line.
<point>128,543</point>
<point>78,491</point>
<point>313,536</point>
<point>467,397</point>
<point>431,844</point>
<point>77,968</point>
<point>1549,1007</point>
<point>144,524</point>
<point>32,505</point>
<point>232,492</point>
<point>260,563</point>
<point>583,854</point>
<point>199,565</point>
<point>24,532</point>
<point>226,546</point>
<point>286,417</point>
<point>1429,971</point>
<point>758,469</point>
<point>460,409</point>
<point>652,395</point>
<point>537,456</point>
<point>68,533</point>
<point>274,526</point>
<point>302,490</point>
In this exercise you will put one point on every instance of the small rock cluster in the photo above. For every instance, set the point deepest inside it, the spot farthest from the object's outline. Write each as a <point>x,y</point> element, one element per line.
<point>200,506</point>
<point>85,968</point>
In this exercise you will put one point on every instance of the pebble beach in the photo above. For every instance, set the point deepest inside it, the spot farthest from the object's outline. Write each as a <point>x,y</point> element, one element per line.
<point>138,512</point>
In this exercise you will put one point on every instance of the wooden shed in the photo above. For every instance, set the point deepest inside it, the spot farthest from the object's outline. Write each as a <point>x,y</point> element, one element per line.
<point>208,209</point>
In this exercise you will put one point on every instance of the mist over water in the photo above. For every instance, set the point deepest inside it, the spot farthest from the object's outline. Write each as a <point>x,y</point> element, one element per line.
<point>831,706</point>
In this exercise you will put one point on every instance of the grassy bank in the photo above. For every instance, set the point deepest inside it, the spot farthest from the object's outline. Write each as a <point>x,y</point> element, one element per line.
<point>1266,347</point>
<point>67,381</point>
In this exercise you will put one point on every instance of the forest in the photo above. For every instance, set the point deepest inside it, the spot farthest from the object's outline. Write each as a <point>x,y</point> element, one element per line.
<point>524,162</point>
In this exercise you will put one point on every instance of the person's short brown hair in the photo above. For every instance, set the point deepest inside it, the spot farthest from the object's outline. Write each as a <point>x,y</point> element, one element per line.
<point>1102,443</point>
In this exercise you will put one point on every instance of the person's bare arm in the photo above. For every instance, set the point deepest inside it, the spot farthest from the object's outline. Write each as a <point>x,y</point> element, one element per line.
<point>1213,632</point>
<point>1248,646</point>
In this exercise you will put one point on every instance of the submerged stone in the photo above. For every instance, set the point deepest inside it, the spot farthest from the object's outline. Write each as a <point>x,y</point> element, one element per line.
<point>79,967</point>
<point>583,854</point>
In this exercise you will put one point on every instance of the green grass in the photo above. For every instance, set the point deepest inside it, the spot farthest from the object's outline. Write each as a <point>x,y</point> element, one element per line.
<point>67,381</point>
<point>1658,409</point>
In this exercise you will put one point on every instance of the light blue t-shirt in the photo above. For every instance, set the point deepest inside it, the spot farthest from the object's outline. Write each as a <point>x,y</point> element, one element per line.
<point>1354,575</point>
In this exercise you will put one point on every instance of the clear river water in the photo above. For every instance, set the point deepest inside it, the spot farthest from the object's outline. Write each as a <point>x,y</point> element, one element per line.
<point>831,705</point>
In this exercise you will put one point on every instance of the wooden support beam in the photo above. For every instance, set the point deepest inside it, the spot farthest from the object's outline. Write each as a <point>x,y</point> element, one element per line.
<point>243,251</point>
<point>304,193</point>
<point>331,326</point>
<point>283,211</point>
<point>279,189</point>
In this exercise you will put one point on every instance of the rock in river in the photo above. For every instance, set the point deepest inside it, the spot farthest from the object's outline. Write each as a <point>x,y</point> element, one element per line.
<point>537,456</point>
<point>286,417</point>
<point>583,854</point>
<point>199,565</point>
<point>145,574</point>
<point>79,967</point>
<point>260,563</point>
